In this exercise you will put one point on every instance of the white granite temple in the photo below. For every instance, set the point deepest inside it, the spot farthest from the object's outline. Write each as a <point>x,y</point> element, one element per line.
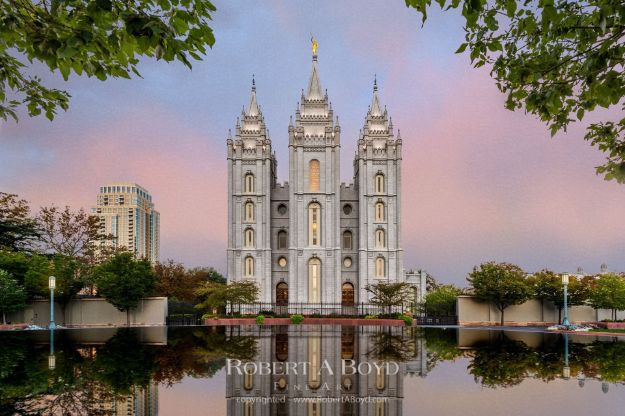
<point>313,239</point>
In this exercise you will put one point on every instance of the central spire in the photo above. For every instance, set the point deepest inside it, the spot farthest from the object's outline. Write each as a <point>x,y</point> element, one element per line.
<point>314,91</point>
<point>252,109</point>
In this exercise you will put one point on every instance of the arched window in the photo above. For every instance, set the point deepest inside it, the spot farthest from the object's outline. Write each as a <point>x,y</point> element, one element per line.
<point>249,267</point>
<point>249,183</point>
<point>314,280</point>
<point>380,238</point>
<point>380,267</point>
<point>248,408</point>
<point>379,183</point>
<point>314,224</point>
<point>314,358</point>
<point>282,347</point>
<point>248,377</point>
<point>249,211</point>
<point>249,238</point>
<point>347,294</point>
<point>282,294</point>
<point>313,175</point>
<point>347,240</point>
<point>379,211</point>
<point>380,376</point>
<point>282,240</point>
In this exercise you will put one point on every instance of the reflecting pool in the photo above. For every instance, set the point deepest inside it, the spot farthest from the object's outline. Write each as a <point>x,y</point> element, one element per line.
<point>309,370</point>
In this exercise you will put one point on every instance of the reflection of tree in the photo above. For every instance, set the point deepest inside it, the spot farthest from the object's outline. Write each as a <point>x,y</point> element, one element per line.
<point>387,346</point>
<point>441,346</point>
<point>503,363</point>
<point>609,359</point>
<point>200,352</point>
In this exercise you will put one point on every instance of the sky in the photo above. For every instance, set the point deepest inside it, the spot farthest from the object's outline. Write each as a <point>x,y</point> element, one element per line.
<point>480,183</point>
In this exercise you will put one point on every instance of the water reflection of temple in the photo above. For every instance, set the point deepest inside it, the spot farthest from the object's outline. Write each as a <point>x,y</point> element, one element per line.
<point>142,401</point>
<point>378,391</point>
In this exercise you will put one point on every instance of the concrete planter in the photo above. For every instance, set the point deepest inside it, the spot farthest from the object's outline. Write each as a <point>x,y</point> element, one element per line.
<point>614,325</point>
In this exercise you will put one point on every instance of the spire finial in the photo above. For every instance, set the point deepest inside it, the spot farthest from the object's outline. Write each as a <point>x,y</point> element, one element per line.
<point>315,45</point>
<point>375,82</point>
<point>253,83</point>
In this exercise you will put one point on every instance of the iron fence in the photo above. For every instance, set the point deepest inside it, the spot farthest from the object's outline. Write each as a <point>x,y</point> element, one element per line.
<point>184,320</point>
<point>436,320</point>
<point>313,309</point>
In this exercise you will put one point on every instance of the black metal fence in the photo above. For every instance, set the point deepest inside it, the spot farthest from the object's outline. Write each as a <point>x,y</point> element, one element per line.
<point>313,309</point>
<point>436,320</point>
<point>184,320</point>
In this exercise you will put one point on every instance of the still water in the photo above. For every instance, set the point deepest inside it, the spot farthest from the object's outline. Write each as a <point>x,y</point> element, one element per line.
<point>309,370</point>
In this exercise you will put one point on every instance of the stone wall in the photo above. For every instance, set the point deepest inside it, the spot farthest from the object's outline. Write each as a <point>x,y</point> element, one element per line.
<point>533,312</point>
<point>92,312</point>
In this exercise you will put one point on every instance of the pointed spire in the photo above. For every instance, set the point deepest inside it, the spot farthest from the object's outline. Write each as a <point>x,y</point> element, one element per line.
<point>253,109</point>
<point>374,108</point>
<point>314,91</point>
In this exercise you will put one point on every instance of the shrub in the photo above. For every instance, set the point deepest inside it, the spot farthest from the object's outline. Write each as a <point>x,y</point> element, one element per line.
<point>260,319</point>
<point>407,320</point>
<point>297,319</point>
<point>371,317</point>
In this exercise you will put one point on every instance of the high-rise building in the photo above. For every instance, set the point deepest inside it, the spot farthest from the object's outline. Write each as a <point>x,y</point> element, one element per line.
<point>314,239</point>
<point>127,213</point>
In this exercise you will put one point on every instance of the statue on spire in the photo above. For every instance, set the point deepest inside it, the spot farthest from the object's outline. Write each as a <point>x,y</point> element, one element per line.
<point>315,45</point>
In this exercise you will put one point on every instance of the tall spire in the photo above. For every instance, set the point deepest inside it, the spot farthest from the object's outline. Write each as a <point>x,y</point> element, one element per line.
<point>314,91</point>
<point>252,109</point>
<point>374,108</point>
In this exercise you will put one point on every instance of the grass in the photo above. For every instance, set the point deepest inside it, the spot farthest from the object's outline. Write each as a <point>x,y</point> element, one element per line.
<point>607,330</point>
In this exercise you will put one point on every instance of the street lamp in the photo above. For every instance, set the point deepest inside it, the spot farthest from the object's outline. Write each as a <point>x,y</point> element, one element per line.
<point>565,283</point>
<point>52,286</point>
<point>566,371</point>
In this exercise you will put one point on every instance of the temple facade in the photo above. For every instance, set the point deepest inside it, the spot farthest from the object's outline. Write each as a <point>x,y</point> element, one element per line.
<point>314,239</point>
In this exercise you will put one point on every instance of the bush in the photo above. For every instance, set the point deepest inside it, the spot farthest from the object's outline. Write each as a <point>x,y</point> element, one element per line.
<point>297,319</point>
<point>260,320</point>
<point>407,320</point>
<point>371,317</point>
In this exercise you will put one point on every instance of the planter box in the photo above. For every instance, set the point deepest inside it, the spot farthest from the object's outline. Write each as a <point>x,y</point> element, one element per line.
<point>614,325</point>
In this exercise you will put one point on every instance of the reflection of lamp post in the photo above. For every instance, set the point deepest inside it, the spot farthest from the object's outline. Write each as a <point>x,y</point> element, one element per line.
<point>52,285</point>
<point>51,357</point>
<point>566,371</point>
<point>565,283</point>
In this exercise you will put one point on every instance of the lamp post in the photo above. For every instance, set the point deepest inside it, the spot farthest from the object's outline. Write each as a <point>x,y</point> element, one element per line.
<point>566,371</point>
<point>51,357</point>
<point>52,286</point>
<point>565,283</point>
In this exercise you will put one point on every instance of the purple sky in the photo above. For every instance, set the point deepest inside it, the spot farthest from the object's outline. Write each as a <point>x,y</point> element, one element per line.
<point>480,183</point>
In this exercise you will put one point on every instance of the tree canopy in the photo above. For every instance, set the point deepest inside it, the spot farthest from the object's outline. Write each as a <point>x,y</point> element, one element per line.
<point>556,59</point>
<point>608,292</point>
<point>547,286</point>
<point>502,284</point>
<point>442,300</point>
<point>12,295</point>
<point>17,229</point>
<point>102,38</point>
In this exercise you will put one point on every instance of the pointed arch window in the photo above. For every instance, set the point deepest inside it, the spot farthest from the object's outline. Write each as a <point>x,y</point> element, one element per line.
<point>380,238</point>
<point>249,238</point>
<point>249,267</point>
<point>380,267</point>
<point>314,358</point>
<point>380,183</point>
<point>249,211</point>
<point>314,224</point>
<point>348,242</point>
<point>380,213</point>
<point>313,175</point>
<point>314,280</point>
<point>250,184</point>
<point>282,240</point>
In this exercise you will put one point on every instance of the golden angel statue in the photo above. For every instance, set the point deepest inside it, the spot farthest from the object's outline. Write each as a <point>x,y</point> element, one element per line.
<point>315,45</point>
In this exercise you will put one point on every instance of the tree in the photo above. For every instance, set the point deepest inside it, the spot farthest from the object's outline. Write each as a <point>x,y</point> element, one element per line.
<point>442,301</point>
<point>608,292</point>
<point>174,281</point>
<point>388,295</point>
<point>208,274</point>
<point>68,233</point>
<point>12,295</point>
<point>17,229</point>
<point>214,296</point>
<point>123,281</point>
<point>103,38</point>
<point>548,287</point>
<point>558,60</point>
<point>502,284</point>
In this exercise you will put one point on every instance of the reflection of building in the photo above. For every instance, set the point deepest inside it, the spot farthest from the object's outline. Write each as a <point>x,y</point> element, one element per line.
<point>313,239</point>
<point>374,390</point>
<point>141,402</point>
<point>126,212</point>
